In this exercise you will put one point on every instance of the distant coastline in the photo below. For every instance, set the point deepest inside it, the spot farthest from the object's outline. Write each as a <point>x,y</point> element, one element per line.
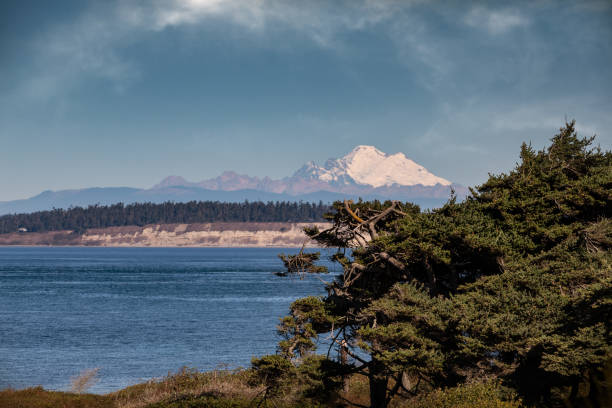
<point>216,234</point>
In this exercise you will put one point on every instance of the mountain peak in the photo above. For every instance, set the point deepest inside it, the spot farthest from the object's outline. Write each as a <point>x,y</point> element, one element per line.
<point>364,150</point>
<point>369,166</point>
<point>172,181</point>
<point>364,168</point>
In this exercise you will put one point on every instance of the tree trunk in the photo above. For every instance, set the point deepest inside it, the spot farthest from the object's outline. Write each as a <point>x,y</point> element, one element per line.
<point>378,385</point>
<point>344,362</point>
<point>406,381</point>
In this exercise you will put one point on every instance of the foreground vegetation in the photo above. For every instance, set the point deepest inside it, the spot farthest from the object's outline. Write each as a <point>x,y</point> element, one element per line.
<point>513,285</point>
<point>503,300</point>
<point>242,389</point>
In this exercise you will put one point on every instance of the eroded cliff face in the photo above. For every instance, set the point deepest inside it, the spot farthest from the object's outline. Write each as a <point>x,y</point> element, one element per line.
<point>273,234</point>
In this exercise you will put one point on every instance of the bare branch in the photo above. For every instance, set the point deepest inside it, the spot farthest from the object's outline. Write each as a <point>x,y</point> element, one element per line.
<point>391,260</point>
<point>347,206</point>
<point>383,214</point>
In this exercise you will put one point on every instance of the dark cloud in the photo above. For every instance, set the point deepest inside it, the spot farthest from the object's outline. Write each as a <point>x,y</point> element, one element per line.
<point>196,87</point>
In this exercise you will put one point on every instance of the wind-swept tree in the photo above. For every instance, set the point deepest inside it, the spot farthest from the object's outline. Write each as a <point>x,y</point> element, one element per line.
<point>512,284</point>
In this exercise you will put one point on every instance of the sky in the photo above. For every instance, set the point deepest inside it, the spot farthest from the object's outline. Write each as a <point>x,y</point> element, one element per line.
<point>125,93</point>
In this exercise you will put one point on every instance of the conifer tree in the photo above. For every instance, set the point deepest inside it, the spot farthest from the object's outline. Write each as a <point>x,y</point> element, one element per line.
<point>512,284</point>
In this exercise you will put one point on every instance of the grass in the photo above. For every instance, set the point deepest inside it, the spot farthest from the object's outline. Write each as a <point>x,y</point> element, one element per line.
<point>187,388</point>
<point>37,397</point>
<point>190,388</point>
<point>190,385</point>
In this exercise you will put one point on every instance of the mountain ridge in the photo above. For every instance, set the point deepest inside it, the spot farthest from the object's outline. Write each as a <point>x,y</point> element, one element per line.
<point>365,168</point>
<point>365,172</point>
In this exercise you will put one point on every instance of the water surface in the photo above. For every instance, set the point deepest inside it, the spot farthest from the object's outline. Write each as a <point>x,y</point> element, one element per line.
<point>137,313</point>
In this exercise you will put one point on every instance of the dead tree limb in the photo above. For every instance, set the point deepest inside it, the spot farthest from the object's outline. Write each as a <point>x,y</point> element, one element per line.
<point>347,207</point>
<point>393,261</point>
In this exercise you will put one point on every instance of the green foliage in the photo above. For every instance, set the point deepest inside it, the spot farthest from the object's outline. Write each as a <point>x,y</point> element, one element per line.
<point>302,263</point>
<point>514,283</point>
<point>409,333</point>
<point>320,378</point>
<point>273,371</point>
<point>308,317</point>
<point>484,395</point>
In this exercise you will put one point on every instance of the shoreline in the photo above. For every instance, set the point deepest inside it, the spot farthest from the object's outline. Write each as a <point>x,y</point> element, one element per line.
<point>155,247</point>
<point>201,235</point>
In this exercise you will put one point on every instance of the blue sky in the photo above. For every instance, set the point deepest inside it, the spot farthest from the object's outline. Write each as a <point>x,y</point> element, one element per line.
<point>124,93</point>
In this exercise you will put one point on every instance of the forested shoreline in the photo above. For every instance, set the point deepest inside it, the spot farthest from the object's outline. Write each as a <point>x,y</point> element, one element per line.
<point>80,219</point>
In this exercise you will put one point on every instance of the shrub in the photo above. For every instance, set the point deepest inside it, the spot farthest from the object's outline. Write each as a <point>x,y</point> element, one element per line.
<point>485,395</point>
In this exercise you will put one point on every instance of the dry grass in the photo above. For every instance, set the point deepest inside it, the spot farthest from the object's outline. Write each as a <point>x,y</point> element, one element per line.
<point>188,383</point>
<point>234,389</point>
<point>84,381</point>
<point>37,397</point>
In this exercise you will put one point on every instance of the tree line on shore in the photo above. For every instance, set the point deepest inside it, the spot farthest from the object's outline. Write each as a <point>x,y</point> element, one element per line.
<point>80,219</point>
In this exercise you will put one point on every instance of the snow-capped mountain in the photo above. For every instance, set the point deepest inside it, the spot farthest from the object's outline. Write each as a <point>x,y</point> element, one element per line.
<point>365,172</point>
<point>368,166</point>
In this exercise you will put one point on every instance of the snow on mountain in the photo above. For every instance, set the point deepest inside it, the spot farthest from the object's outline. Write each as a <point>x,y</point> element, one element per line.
<point>366,165</point>
<point>364,171</point>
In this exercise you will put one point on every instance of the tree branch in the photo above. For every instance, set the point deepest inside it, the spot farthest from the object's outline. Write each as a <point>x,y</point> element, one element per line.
<point>393,261</point>
<point>351,212</point>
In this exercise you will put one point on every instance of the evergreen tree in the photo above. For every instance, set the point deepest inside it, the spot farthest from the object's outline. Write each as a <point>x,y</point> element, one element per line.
<point>80,219</point>
<point>512,284</point>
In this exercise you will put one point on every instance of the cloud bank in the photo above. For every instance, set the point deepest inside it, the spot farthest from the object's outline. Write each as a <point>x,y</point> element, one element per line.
<point>442,79</point>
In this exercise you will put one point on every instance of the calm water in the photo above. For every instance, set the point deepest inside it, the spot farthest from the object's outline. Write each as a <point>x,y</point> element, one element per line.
<point>137,313</point>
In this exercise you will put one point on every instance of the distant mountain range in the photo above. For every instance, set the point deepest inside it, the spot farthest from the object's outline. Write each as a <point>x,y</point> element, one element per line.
<point>365,172</point>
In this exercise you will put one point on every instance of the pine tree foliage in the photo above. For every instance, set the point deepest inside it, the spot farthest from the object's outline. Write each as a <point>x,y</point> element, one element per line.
<point>514,284</point>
